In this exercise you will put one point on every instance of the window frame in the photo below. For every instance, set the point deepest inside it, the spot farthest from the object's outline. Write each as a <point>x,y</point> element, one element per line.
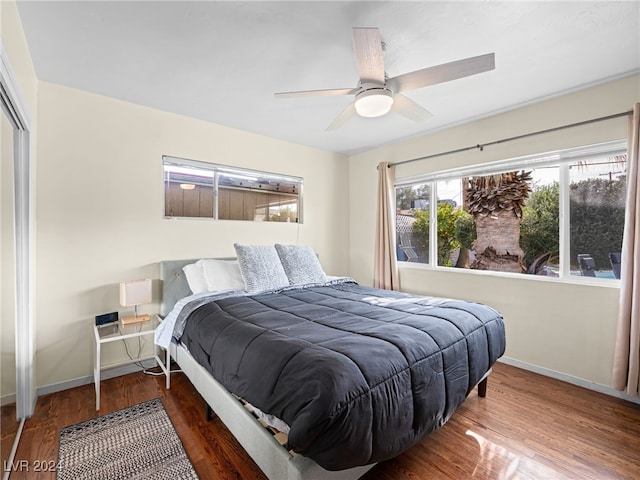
<point>220,169</point>
<point>562,159</point>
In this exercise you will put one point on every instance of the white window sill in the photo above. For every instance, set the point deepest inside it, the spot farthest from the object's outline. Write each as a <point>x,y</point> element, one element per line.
<point>575,280</point>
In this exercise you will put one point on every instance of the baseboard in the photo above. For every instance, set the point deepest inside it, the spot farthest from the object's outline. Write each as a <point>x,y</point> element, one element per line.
<point>7,399</point>
<point>106,374</point>
<point>580,382</point>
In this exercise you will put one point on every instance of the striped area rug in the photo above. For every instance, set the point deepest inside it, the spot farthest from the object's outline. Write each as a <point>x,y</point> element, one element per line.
<point>138,442</point>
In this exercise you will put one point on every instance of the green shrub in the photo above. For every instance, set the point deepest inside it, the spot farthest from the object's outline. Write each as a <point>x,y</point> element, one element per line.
<point>465,228</point>
<point>539,230</point>
<point>597,220</point>
<point>447,241</point>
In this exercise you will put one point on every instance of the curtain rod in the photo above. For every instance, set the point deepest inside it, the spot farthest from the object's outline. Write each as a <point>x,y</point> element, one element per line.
<point>517,137</point>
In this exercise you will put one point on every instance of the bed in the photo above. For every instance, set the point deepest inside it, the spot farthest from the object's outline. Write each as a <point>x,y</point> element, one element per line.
<point>354,373</point>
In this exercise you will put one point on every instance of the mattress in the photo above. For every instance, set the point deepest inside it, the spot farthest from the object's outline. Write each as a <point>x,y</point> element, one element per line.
<point>358,374</point>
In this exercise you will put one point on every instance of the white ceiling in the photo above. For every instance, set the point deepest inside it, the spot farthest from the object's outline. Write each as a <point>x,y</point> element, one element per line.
<point>223,61</point>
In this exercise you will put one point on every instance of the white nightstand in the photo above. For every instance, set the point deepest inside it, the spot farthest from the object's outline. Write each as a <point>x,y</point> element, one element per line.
<point>115,332</point>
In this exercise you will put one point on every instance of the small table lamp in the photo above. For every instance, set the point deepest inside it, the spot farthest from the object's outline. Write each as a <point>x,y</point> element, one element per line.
<point>132,294</point>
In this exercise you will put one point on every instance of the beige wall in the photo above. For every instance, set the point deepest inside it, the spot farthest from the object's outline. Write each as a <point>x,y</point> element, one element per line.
<point>100,211</point>
<point>563,327</point>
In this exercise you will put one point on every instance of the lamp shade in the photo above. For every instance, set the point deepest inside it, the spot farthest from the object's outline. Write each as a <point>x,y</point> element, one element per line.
<point>135,292</point>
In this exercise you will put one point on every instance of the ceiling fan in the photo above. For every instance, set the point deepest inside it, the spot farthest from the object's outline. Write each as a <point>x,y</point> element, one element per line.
<point>376,94</point>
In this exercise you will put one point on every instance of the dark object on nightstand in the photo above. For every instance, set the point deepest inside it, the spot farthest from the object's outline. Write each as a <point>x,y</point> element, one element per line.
<point>106,318</point>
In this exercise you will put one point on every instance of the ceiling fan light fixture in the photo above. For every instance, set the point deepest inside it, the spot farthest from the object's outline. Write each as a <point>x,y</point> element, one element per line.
<point>374,102</point>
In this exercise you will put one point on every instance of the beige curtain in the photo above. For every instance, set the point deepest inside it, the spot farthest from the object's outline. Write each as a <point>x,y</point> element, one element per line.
<point>385,270</point>
<point>626,361</point>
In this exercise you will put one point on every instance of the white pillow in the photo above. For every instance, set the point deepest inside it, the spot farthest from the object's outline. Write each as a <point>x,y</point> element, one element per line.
<point>195,277</point>
<point>260,267</point>
<point>221,274</point>
<point>301,264</point>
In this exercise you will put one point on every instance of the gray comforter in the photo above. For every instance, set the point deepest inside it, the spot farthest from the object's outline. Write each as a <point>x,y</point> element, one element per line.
<point>358,374</point>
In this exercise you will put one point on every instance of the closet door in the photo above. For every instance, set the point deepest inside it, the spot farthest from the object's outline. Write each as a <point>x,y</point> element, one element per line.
<point>9,421</point>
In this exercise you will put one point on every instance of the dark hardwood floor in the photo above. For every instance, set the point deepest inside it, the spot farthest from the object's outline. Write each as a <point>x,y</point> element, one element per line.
<point>8,429</point>
<point>528,427</point>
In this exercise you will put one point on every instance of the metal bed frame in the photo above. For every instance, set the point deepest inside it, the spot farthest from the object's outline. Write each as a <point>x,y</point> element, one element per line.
<point>261,445</point>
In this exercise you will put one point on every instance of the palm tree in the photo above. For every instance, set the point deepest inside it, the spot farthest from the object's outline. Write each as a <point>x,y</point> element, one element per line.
<point>496,202</point>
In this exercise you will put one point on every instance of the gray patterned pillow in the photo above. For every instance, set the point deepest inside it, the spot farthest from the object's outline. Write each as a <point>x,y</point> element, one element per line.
<point>260,267</point>
<point>301,264</point>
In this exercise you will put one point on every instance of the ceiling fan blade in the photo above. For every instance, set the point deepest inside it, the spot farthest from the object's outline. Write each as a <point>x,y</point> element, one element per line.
<point>408,108</point>
<point>442,73</point>
<point>340,120</point>
<point>367,46</point>
<point>317,93</point>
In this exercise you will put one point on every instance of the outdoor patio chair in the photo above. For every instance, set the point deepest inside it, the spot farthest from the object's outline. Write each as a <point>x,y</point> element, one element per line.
<point>587,265</point>
<point>615,259</point>
<point>538,265</point>
<point>407,248</point>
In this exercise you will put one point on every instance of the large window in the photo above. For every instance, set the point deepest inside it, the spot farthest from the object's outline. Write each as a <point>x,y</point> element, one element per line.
<point>558,214</point>
<point>199,189</point>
